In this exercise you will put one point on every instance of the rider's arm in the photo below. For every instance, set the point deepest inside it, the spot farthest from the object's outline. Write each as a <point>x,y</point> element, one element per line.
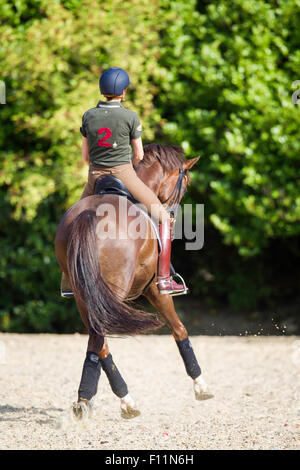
<point>138,151</point>
<point>85,150</point>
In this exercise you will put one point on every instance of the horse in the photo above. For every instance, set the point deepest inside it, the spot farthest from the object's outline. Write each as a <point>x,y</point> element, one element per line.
<point>106,273</point>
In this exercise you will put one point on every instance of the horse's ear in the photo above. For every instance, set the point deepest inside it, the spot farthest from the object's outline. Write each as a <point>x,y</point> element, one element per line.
<point>188,164</point>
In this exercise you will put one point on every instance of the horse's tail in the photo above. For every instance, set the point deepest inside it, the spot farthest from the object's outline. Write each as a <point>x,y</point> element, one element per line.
<point>107,313</point>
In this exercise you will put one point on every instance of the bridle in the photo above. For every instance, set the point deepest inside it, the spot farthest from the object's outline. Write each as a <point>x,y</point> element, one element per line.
<point>174,199</point>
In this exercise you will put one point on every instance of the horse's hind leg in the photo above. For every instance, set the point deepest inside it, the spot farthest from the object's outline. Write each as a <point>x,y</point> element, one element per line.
<point>165,307</point>
<point>89,379</point>
<point>91,370</point>
<point>117,383</point>
<point>98,357</point>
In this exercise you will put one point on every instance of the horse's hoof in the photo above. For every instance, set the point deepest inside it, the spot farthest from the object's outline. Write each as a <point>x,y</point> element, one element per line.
<point>81,410</point>
<point>130,413</point>
<point>128,408</point>
<point>203,395</point>
<point>201,390</point>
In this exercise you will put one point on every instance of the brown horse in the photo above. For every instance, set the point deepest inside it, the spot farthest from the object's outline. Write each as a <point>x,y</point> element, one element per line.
<point>106,271</point>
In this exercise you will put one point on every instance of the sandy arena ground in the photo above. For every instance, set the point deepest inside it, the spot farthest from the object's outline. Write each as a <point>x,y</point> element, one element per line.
<point>255,380</point>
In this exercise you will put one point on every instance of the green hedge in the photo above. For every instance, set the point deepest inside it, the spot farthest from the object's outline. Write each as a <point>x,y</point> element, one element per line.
<point>225,89</point>
<point>215,77</point>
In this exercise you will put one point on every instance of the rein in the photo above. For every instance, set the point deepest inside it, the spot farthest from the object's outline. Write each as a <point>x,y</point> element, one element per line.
<point>174,199</point>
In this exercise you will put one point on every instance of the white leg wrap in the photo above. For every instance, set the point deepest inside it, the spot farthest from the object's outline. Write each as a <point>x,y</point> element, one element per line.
<point>201,389</point>
<point>201,382</point>
<point>127,401</point>
<point>128,407</point>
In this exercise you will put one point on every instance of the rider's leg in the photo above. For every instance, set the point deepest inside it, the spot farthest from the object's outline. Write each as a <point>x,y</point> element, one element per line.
<point>93,175</point>
<point>146,196</point>
<point>165,281</point>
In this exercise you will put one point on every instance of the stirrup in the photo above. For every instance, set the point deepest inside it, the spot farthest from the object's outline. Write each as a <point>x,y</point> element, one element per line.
<point>183,292</point>
<point>66,294</point>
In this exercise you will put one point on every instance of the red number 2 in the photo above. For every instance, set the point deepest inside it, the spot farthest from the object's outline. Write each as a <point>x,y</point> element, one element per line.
<point>107,135</point>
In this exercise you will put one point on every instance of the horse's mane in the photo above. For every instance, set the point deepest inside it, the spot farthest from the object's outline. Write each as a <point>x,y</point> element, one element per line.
<point>170,156</point>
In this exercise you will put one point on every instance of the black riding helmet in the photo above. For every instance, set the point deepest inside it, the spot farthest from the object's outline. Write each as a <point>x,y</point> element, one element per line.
<point>113,81</point>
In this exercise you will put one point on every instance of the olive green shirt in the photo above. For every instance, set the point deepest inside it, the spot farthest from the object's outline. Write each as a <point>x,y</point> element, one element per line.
<point>109,129</point>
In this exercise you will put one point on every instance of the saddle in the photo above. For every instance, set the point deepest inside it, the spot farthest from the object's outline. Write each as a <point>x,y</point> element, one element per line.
<point>111,185</point>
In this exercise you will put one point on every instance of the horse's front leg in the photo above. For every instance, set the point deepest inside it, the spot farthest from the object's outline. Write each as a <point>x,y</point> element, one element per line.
<point>165,307</point>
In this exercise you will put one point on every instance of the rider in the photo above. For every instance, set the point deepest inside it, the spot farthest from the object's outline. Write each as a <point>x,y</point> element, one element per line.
<point>107,132</point>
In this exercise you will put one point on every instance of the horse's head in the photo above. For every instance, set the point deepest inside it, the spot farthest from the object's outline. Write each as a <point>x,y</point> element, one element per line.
<point>169,173</point>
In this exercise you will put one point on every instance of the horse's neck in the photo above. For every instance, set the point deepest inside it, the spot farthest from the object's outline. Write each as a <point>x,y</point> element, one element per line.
<point>150,177</point>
